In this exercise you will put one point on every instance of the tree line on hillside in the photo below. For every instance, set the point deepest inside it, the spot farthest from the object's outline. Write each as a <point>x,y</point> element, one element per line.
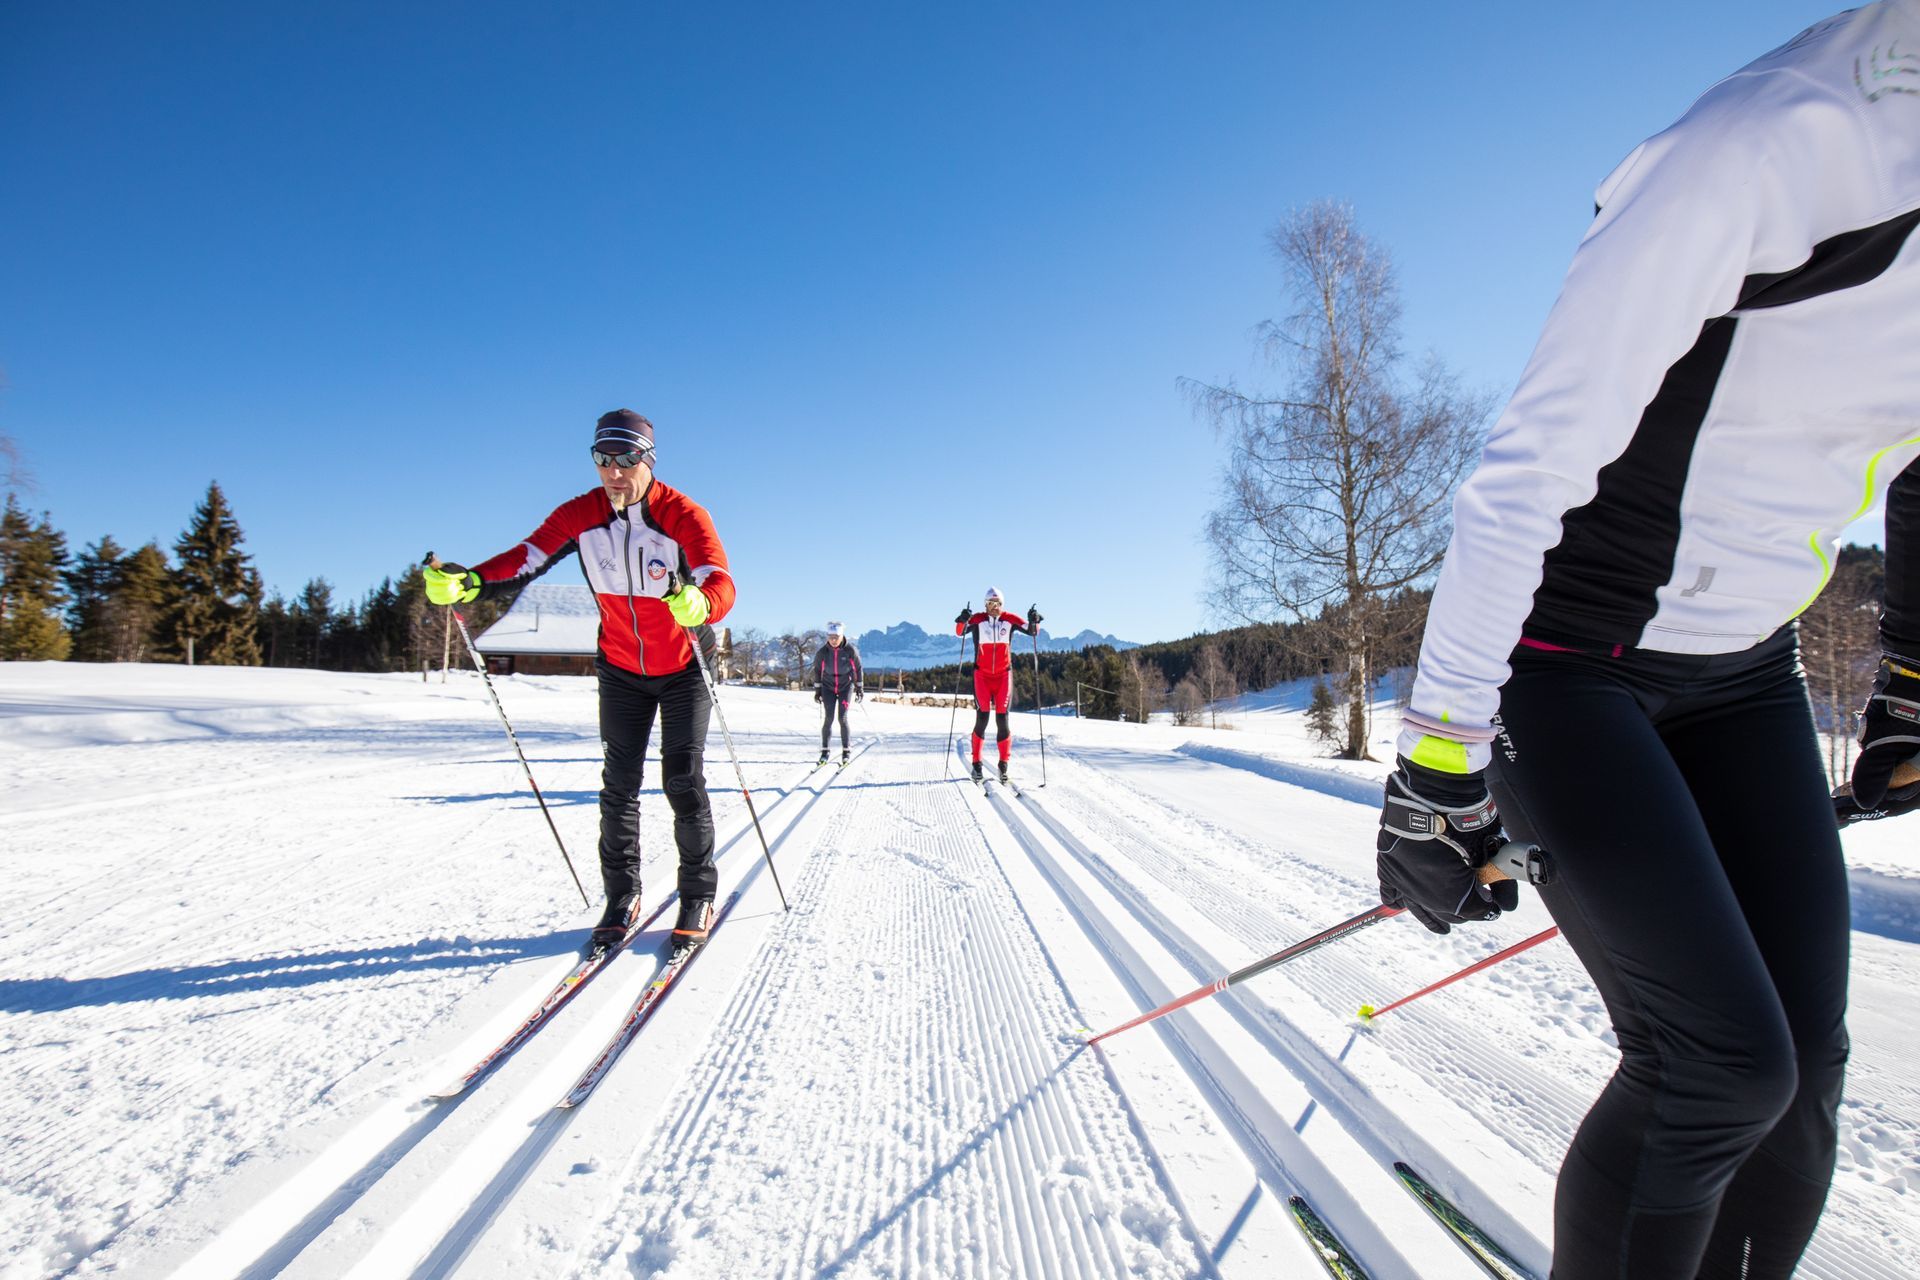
<point>203,604</point>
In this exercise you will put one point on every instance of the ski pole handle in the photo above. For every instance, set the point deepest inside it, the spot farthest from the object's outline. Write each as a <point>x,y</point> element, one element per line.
<point>1517,860</point>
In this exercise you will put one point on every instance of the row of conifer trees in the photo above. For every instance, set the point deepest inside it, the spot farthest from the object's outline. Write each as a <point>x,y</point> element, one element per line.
<point>205,603</point>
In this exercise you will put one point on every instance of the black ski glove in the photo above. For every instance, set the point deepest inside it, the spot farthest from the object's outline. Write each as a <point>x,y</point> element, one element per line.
<point>817,697</point>
<point>1889,730</point>
<point>1902,797</point>
<point>1436,830</point>
<point>1034,619</point>
<point>960,618</point>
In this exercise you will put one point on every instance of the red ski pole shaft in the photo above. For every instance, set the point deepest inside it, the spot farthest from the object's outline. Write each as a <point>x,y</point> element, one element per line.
<point>1368,1013</point>
<point>1524,858</point>
<point>1344,929</point>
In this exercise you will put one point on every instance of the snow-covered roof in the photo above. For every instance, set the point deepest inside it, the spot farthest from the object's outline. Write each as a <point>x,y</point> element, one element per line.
<point>549,617</point>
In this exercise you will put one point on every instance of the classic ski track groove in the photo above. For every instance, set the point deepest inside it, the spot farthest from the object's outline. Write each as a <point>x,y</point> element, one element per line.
<point>1285,1162</point>
<point>325,1199</point>
<point>1015,1161</point>
<point>1328,1082</point>
<point>1336,976</point>
<point>52,1150</point>
<point>458,1229</point>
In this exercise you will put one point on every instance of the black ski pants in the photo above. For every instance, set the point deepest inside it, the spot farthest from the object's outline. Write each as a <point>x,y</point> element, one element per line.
<point>828,702</point>
<point>1700,881</point>
<point>628,706</point>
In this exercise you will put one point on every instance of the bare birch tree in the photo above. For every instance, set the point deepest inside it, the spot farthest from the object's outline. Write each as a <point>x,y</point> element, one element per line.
<point>1337,488</point>
<point>1214,679</point>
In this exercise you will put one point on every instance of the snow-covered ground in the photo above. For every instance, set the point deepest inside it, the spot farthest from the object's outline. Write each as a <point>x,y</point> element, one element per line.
<point>252,918</point>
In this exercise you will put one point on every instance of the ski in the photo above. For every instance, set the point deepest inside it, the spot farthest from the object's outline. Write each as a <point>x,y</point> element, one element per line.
<point>643,1009</point>
<point>1494,1260</point>
<point>1333,1255</point>
<point>563,991</point>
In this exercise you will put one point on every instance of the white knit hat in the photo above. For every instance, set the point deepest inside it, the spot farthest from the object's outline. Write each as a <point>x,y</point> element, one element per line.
<point>837,629</point>
<point>993,593</point>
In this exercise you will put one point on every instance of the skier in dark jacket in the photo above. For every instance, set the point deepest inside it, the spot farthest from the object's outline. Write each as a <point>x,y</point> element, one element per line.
<point>1611,653</point>
<point>657,568</point>
<point>836,678</point>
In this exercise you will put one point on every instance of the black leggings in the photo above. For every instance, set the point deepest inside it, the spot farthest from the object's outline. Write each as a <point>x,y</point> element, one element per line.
<point>628,703</point>
<point>1700,881</point>
<point>829,702</point>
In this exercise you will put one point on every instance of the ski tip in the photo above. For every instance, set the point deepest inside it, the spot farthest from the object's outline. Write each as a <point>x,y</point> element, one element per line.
<point>1366,1013</point>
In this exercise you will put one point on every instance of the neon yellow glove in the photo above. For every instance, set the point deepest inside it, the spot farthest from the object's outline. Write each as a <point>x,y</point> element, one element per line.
<point>689,606</point>
<point>451,588</point>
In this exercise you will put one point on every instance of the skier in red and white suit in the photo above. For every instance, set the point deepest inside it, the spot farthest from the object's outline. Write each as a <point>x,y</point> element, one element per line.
<point>993,669</point>
<point>659,576</point>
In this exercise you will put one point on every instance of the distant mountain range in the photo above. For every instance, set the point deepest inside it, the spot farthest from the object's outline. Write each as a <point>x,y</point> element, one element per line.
<point>906,646</point>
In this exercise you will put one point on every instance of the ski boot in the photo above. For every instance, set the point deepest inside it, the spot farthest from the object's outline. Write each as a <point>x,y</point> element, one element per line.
<point>615,922</point>
<point>845,758</point>
<point>979,775</point>
<point>822,760</point>
<point>1003,773</point>
<point>690,932</point>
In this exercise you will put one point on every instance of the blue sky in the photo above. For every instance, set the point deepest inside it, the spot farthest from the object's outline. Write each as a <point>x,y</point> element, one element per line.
<point>905,289</point>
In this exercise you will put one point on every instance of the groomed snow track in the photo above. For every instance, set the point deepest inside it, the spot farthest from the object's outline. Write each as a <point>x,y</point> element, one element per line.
<point>1287,1113</point>
<point>890,1079</point>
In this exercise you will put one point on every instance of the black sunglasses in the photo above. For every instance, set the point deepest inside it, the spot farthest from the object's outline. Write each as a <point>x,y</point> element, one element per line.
<point>624,460</point>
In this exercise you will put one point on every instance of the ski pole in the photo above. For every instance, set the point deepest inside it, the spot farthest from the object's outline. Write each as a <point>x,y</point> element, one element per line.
<point>1524,859</point>
<point>954,715</point>
<point>1038,718</point>
<point>434,561</point>
<point>713,696</point>
<point>1368,1013</point>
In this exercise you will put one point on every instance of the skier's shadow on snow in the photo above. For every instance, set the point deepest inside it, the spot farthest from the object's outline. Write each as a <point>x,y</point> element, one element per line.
<point>275,973</point>
<point>974,1145</point>
<point>555,798</point>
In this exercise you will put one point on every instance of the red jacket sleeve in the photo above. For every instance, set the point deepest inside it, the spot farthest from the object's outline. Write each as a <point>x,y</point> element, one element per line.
<point>550,543</point>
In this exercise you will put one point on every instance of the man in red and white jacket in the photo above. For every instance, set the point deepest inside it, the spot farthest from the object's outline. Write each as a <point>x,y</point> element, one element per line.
<point>993,669</point>
<point>657,570</point>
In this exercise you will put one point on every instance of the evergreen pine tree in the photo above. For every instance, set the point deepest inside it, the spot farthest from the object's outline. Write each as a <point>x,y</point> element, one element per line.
<point>31,557</point>
<point>139,603</point>
<point>91,581</point>
<point>277,646</point>
<point>312,616</point>
<point>383,629</point>
<point>1323,715</point>
<point>216,605</point>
